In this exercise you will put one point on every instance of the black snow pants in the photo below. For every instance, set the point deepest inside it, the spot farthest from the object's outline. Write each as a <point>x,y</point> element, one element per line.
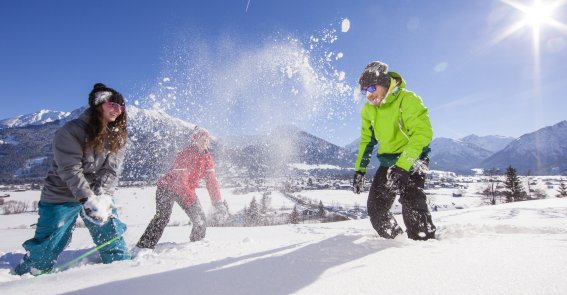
<point>164,205</point>
<point>417,218</point>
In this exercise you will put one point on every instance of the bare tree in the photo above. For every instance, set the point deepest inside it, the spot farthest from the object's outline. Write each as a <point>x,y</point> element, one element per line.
<point>491,190</point>
<point>562,189</point>
<point>529,179</point>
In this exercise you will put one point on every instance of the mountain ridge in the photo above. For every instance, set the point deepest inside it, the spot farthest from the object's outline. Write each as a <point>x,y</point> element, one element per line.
<point>155,137</point>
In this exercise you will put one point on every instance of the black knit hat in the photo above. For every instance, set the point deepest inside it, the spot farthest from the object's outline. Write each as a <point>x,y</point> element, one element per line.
<point>375,73</point>
<point>101,93</point>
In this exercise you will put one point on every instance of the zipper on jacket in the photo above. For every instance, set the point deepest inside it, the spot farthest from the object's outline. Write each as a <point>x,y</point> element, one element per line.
<point>400,125</point>
<point>402,128</point>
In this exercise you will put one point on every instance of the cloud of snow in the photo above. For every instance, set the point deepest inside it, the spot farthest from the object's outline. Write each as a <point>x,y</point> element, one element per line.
<point>233,88</point>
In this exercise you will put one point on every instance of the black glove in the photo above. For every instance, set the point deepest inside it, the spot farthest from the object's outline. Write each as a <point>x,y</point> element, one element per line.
<point>97,189</point>
<point>358,182</point>
<point>398,178</point>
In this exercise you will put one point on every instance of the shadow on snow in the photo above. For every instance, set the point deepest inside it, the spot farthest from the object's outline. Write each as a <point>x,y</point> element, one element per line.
<point>252,274</point>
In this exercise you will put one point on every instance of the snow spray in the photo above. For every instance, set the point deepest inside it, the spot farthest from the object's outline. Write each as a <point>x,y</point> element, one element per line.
<point>237,88</point>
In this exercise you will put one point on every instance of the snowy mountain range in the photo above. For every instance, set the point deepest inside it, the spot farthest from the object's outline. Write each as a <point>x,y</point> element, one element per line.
<point>543,152</point>
<point>491,143</point>
<point>155,137</point>
<point>37,118</point>
<point>277,151</point>
<point>456,155</point>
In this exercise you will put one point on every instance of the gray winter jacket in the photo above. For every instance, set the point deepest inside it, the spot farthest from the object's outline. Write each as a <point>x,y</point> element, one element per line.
<point>76,174</point>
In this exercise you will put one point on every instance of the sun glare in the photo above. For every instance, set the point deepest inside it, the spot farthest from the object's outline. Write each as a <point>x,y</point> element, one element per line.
<point>535,16</point>
<point>538,15</point>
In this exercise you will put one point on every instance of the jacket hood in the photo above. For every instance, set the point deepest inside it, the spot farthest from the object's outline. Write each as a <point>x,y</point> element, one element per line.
<point>85,116</point>
<point>398,76</point>
<point>391,97</point>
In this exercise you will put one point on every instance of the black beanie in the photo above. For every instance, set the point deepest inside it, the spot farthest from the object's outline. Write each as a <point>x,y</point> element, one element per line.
<point>375,73</point>
<point>101,93</point>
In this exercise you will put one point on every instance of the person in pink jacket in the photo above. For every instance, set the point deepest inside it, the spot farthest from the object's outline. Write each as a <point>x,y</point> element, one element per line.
<point>178,185</point>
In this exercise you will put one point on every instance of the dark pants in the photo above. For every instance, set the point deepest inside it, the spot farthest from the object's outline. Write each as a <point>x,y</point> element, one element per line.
<point>414,207</point>
<point>164,205</point>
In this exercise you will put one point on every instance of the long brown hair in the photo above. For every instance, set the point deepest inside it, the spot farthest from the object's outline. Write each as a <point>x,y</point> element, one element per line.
<point>114,133</point>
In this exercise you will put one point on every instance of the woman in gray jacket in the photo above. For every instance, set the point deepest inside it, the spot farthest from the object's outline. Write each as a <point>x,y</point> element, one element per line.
<point>87,155</point>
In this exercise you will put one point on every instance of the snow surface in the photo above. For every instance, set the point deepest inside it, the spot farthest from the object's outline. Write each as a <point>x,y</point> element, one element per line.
<point>516,248</point>
<point>303,166</point>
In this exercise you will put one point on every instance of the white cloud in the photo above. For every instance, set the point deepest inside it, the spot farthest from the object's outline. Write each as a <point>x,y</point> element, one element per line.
<point>556,44</point>
<point>441,67</point>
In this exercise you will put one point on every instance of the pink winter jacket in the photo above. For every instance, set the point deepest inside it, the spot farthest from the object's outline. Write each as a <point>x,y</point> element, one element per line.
<point>189,167</point>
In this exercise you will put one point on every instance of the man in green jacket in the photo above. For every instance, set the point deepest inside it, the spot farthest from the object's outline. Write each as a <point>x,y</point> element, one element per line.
<point>396,119</point>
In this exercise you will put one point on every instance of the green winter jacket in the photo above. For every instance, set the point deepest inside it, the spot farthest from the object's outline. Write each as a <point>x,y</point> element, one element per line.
<point>400,124</point>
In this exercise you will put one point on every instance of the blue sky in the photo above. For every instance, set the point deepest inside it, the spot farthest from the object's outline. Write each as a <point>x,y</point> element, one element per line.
<point>240,67</point>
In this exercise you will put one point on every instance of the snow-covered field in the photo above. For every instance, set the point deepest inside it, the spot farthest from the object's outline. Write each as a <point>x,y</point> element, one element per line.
<point>516,248</point>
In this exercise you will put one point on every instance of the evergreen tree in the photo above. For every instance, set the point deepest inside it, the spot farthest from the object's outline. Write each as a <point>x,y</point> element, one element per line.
<point>253,213</point>
<point>294,217</point>
<point>514,189</point>
<point>265,203</point>
<point>321,213</point>
<point>562,189</point>
<point>226,206</point>
<point>220,217</point>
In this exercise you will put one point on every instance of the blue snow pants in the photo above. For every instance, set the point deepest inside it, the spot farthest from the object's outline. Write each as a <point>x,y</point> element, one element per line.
<point>53,233</point>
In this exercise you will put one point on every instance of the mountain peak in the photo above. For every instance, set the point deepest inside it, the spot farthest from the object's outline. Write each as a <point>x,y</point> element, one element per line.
<point>492,143</point>
<point>38,118</point>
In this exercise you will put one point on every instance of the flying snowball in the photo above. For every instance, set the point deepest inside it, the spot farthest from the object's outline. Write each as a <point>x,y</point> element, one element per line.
<point>345,25</point>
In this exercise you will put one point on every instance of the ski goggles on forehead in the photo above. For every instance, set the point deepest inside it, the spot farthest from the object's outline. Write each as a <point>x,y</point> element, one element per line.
<point>369,89</point>
<point>116,106</point>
